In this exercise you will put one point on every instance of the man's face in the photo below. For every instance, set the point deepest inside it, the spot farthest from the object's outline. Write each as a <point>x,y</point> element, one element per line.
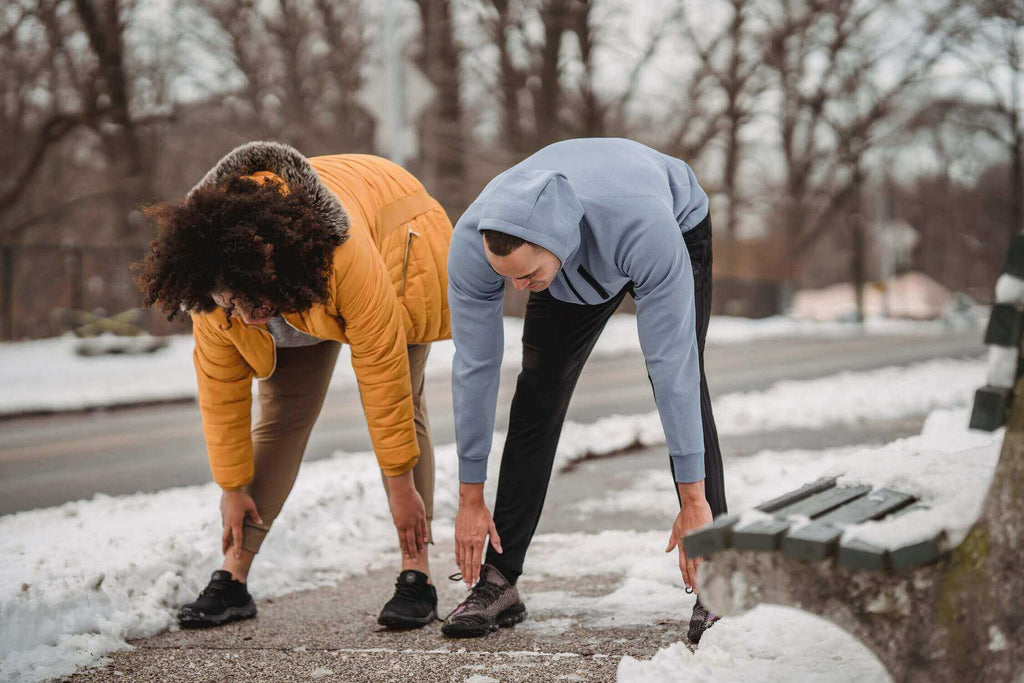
<point>528,267</point>
<point>251,315</point>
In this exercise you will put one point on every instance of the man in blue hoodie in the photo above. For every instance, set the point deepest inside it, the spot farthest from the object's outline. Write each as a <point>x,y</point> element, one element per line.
<point>581,224</point>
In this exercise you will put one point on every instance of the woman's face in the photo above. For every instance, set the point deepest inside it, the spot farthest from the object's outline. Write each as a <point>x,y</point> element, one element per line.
<point>251,315</point>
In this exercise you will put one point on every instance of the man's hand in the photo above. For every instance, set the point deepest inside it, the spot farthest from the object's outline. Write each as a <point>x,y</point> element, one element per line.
<point>695,513</point>
<point>235,506</point>
<point>409,514</point>
<point>473,523</point>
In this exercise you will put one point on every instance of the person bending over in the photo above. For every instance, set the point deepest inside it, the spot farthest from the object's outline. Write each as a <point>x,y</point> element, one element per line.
<point>581,224</point>
<point>280,260</point>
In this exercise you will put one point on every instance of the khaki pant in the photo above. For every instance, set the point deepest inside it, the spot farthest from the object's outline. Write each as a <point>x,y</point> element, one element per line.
<point>290,401</point>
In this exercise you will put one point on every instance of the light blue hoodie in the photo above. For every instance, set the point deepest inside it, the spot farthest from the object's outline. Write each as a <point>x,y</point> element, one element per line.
<point>613,211</point>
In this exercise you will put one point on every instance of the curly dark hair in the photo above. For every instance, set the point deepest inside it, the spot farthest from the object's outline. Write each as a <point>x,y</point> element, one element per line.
<point>266,246</point>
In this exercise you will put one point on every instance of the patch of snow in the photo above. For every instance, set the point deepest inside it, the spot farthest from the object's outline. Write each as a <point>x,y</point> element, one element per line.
<point>849,398</point>
<point>769,644</point>
<point>48,375</point>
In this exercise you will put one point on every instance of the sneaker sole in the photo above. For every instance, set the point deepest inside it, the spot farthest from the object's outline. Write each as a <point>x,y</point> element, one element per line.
<point>397,622</point>
<point>507,618</point>
<point>190,620</point>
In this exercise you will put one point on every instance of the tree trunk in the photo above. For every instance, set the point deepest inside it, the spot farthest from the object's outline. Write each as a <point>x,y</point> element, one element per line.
<point>442,142</point>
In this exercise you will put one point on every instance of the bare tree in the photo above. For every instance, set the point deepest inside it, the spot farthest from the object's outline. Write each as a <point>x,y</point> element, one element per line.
<point>300,63</point>
<point>995,50</point>
<point>826,62</point>
<point>29,128</point>
<point>729,68</point>
<point>442,132</point>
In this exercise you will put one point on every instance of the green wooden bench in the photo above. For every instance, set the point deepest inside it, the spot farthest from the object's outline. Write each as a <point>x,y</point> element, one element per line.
<point>930,612</point>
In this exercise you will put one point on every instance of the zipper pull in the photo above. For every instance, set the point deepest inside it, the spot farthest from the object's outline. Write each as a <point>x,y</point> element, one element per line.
<point>405,261</point>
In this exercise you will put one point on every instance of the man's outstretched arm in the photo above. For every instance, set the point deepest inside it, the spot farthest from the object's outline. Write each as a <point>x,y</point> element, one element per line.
<point>475,294</point>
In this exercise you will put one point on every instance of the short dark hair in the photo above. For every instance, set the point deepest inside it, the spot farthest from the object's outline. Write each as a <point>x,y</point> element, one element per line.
<point>262,245</point>
<point>501,243</point>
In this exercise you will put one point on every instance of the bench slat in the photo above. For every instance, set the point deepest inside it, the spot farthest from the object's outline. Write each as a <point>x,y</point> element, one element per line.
<point>917,554</point>
<point>767,535</point>
<point>762,536</point>
<point>819,540</point>
<point>803,492</point>
<point>717,536</point>
<point>711,538</point>
<point>860,555</point>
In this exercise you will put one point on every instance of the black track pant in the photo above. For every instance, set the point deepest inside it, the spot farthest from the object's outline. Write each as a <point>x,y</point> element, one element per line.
<point>557,340</point>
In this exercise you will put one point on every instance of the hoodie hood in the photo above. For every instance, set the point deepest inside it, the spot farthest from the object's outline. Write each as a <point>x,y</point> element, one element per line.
<point>538,206</point>
<point>262,160</point>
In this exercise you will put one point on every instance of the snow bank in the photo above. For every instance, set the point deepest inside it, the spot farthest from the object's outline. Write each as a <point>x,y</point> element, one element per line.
<point>849,398</point>
<point>769,645</point>
<point>948,468</point>
<point>47,375</point>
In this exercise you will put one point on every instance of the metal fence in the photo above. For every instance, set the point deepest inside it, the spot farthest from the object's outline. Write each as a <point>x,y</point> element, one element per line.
<point>50,289</point>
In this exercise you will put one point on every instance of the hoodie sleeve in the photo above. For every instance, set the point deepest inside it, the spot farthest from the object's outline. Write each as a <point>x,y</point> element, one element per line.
<point>475,295</point>
<point>655,258</point>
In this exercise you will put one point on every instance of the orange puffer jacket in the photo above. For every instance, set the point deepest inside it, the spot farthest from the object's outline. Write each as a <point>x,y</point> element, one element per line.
<point>388,288</point>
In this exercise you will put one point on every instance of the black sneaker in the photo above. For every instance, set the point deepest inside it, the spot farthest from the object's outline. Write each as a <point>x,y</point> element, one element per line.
<point>223,600</point>
<point>701,620</point>
<point>414,604</point>
<point>492,602</point>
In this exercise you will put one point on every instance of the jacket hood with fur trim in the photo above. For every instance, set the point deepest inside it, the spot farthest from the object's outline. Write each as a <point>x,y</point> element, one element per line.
<point>288,164</point>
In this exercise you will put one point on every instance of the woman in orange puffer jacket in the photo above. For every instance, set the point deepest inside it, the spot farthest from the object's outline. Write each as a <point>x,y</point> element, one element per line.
<point>280,259</point>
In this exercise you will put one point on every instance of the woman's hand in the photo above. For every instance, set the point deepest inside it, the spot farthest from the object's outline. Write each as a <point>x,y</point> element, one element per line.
<point>409,514</point>
<point>235,506</point>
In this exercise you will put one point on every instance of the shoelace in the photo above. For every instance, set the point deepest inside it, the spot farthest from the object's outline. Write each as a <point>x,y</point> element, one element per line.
<point>404,590</point>
<point>214,588</point>
<point>479,595</point>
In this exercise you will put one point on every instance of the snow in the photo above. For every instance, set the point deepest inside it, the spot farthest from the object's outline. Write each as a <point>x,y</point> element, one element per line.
<point>47,375</point>
<point>949,467</point>
<point>912,295</point>
<point>81,578</point>
<point>769,645</point>
<point>849,398</point>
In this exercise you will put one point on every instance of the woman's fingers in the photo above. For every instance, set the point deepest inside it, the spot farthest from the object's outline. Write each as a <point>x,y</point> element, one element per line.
<point>254,514</point>
<point>411,544</point>
<point>225,540</point>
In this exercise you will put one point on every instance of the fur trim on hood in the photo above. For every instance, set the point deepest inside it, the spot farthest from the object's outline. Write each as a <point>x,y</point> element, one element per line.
<point>287,163</point>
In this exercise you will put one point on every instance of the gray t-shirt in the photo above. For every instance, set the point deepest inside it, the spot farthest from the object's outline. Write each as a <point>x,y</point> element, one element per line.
<point>286,336</point>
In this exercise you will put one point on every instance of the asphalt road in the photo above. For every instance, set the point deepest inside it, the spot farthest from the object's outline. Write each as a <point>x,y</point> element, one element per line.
<point>48,460</point>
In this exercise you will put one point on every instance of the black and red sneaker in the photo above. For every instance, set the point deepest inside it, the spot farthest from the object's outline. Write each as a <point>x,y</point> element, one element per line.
<point>222,601</point>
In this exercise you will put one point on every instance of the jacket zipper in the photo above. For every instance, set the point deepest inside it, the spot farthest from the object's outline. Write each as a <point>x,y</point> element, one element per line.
<point>405,261</point>
<point>569,282</point>
<point>601,291</point>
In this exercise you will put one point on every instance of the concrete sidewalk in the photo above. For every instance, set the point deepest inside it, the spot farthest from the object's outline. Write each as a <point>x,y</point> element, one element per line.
<point>331,633</point>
